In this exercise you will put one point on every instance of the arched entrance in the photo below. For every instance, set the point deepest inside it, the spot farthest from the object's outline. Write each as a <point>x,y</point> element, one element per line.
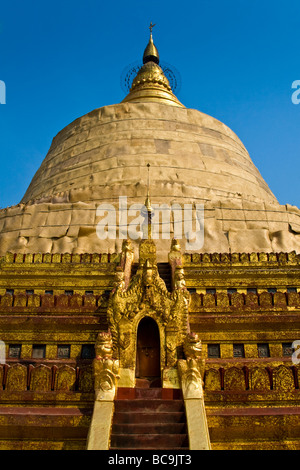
<point>148,350</point>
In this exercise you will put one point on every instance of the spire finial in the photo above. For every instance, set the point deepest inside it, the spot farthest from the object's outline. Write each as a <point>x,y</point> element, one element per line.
<point>151,27</point>
<point>151,53</point>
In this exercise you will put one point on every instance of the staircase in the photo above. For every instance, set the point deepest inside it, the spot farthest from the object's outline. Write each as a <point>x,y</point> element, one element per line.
<point>149,418</point>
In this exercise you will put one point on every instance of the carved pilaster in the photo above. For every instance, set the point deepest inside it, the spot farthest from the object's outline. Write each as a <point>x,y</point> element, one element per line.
<point>105,368</point>
<point>191,369</point>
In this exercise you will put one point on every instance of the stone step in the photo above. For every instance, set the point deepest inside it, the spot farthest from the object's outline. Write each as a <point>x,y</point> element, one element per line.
<point>149,417</point>
<point>157,393</point>
<point>146,441</point>
<point>150,428</point>
<point>149,405</point>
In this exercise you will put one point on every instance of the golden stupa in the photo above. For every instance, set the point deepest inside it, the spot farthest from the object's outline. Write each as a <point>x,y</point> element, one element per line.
<point>124,343</point>
<point>103,155</point>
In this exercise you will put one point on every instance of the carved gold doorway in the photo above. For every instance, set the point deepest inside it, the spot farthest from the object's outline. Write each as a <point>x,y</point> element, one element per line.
<point>148,350</point>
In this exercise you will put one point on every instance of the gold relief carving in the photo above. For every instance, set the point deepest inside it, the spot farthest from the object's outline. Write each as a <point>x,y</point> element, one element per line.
<point>105,368</point>
<point>171,349</point>
<point>192,346</point>
<point>191,369</point>
<point>106,374</point>
<point>179,281</point>
<point>147,295</point>
<point>283,378</point>
<point>147,251</point>
<point>259,379</point>
<point>16,379</point>
<point>86,379</point>
<point>212,380</point>
<point>190,377</point>
<point>40,378</point>
<point>65,378</point>
<point>103,346</point>
<point>124,334</point>
<point>234,379</point>
<point>150,73</point>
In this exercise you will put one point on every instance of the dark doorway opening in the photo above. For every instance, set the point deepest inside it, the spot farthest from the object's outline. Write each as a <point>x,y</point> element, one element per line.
<point>148,352</point>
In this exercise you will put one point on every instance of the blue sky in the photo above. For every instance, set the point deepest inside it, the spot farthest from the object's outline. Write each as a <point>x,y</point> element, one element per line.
<point>237,60</point>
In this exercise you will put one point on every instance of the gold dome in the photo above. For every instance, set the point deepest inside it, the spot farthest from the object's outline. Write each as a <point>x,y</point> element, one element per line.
<point>194,158</point>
